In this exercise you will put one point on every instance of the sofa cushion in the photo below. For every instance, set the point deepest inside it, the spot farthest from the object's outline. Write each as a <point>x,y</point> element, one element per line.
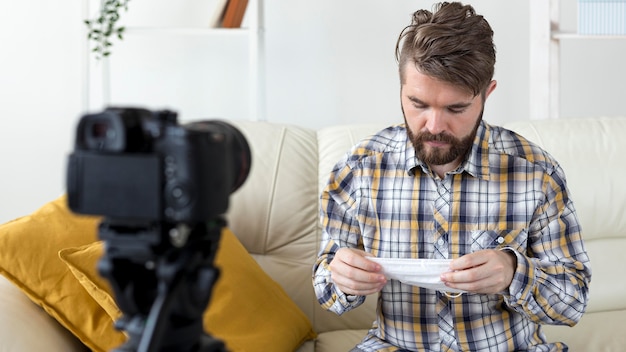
<point>339,340</point>
<point>24,326</point>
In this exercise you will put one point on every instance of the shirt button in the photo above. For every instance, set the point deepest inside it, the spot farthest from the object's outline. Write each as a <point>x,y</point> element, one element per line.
<point>500,240</point>
<point>441,242</point>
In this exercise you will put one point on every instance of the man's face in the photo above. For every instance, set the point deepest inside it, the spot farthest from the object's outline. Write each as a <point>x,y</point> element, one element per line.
<point>441,118</point>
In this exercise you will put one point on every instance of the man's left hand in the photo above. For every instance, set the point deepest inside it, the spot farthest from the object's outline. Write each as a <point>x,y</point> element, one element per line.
<point>487,271</point>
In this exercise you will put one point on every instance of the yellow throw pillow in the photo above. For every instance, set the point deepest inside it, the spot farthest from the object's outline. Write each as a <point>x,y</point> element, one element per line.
<point>29,258</point>
<point>248,310</point>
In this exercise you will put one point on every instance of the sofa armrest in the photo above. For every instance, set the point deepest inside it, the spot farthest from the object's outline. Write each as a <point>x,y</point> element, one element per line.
<point>24,326</point>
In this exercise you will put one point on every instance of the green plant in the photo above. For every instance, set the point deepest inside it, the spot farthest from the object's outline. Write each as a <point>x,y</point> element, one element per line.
<point>105,26</point>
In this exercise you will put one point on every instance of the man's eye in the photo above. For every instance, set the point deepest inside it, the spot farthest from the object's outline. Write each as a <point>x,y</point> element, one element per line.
<point>456,110</point>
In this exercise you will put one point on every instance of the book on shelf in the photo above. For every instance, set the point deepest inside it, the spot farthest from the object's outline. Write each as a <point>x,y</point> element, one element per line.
<point>233,15</point>
<point>218,13</point>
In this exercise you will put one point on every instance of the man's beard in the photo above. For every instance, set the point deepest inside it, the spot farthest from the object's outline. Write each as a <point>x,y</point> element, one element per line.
<point>455,149</point>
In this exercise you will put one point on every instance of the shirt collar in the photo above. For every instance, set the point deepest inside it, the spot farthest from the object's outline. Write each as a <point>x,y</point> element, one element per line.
<point>477,161</point>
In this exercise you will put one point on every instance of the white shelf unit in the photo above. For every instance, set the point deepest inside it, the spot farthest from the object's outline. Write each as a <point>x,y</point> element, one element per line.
<point>256,58</point>
<point>545,57</point>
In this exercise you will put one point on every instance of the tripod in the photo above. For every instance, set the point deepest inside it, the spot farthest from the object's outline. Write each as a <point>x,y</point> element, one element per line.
<point>162,276</point>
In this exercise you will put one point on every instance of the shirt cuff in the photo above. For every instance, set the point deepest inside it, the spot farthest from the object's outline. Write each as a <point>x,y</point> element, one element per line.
<point>348,301</point>
<point>522,281</point>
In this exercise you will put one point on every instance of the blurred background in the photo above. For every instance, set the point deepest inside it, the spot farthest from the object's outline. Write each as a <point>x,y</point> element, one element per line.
<point>320,63</point>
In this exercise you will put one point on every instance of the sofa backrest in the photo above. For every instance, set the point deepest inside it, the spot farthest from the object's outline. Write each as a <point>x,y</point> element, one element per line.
<point>275,213</point>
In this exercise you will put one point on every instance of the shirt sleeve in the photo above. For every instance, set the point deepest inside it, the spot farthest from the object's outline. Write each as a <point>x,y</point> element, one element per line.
<point>551,281</point>
<point>340,228</point>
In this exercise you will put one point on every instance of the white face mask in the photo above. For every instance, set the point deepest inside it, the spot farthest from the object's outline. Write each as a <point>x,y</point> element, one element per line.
<point>417,272</point>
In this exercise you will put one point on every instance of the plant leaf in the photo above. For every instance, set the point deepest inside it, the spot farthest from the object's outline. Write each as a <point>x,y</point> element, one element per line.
<point>106,22</point>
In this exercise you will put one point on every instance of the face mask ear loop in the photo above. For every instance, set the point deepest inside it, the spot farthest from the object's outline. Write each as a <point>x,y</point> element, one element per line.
<point>453,295</point>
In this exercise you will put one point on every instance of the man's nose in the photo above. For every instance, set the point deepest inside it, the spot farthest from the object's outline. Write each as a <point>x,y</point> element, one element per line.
<point>435,122</point>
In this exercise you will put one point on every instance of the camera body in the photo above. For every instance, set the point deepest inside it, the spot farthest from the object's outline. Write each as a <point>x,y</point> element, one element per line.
<point>137,166</point>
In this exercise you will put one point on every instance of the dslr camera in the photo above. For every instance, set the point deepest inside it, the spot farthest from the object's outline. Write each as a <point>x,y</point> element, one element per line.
<point>136,166</point>
<point>162,188</point>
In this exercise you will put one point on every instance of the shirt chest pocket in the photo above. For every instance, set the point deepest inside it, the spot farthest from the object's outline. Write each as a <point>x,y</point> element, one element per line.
<point>497,239</point>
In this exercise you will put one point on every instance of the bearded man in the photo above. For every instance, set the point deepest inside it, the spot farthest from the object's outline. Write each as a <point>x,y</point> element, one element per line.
<point>446,185</point>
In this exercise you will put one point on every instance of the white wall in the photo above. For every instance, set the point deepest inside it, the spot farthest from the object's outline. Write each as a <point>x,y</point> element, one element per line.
<point>39,99</point>
<point>340,59</point>
<point>327,62</point>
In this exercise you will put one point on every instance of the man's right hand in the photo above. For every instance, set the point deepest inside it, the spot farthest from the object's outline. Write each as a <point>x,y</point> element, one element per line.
<point>354,274</point>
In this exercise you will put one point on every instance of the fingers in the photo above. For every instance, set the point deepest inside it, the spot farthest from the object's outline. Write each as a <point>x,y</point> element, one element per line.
<point>487,271</point>
<point>354,274</point>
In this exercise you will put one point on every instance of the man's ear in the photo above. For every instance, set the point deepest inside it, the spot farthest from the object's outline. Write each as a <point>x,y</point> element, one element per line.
<point>490,88</point>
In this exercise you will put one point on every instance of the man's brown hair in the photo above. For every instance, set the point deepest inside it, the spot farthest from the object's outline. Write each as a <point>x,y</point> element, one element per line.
<point>452,44</point>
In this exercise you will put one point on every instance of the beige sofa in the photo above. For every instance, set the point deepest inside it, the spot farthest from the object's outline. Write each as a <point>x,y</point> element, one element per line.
<point>275,215</point>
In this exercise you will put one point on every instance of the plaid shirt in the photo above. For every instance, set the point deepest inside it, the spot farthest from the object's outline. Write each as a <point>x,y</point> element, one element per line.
<point>507,194</point>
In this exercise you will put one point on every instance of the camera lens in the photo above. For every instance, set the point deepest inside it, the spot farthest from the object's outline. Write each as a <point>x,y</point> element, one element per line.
<point>241,154</point>
<point>236,144</point>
